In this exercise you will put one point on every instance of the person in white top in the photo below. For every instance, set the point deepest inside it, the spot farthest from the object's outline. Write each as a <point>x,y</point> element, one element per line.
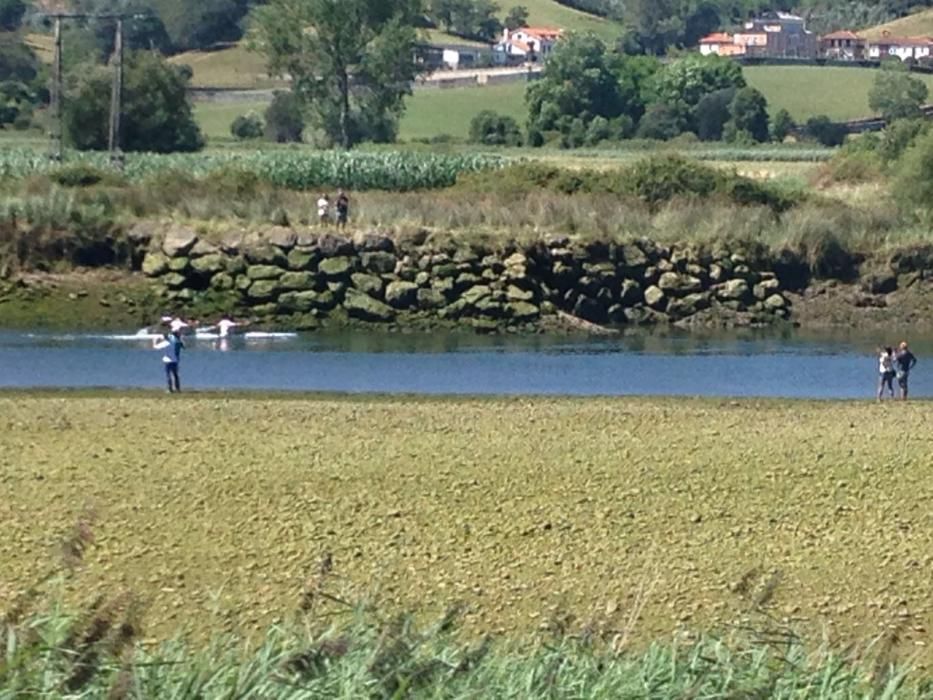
<point>886,372</point>
<point>323,209</point>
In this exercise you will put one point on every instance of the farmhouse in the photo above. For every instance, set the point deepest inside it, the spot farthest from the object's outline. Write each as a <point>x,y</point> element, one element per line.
<point>913,48</point>
<point>527,44</point>
<point>843,45</point>
<point>773,35</point>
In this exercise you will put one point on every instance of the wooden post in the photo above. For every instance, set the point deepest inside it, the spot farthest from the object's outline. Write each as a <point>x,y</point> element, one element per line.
<point>57,97</point>
<point>116,100</point>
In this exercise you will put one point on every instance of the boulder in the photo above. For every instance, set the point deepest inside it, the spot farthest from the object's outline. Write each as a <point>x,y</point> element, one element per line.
<point>236,266</point>
<point>379,262</point>
<point>180,265</point>
<point>264,253</point>
<point>633,256</point>
<point>775,302</point>
<point>263,290</point>
<point>264,272</point>
<point>403,295</point>
<point>298,281</point>
<point>766,288</point>
<point>423,279</point>
<point>734,290</point>
<point>688,305</point>
<point>155,264</point>
<point>679,284</point>
<point>281,237</point>
<point>300,302</point>
<point>879,283</point>
<point>466,255</point>
<point>465,280</point>
<point>222,282</point>
<point>444,286</point>
<point>516,260</point>
<point>489,307</point>
<point>142,233</point>
<point>430,299</point>
<point>242,283</point>
<point>174,280</point>
<point>518,294</point>
<point>631,294</point>
<point>300,259</point>
<point>179,241</point>
<point>376,242</point>
<point>717,273</point>
<point>335,246</point>
<point>589,309</point>
<point>475,294</point>
<point>655,297</point>
<point>232,242</point>
<point>368,284</point>
<point>445,270</point>
<point>335,268</point>
<point>208,265</point>
<point>365,308</point>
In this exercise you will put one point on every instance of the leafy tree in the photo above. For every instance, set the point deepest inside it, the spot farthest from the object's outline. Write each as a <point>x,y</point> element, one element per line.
<point>474,19</point>
<point>491,129</point>
<point>350,61</point>
<point>17,61</point>
<point>781,126</point>
<point>913,185</point>
<point>898,136</point>
<point>11,14</point>
<point>684,82</point>
<point>897,95</point>
<point>825,131</point>
<point>581,81</point>
<point>712,113</point>
<point>750,114</point>
<point>157,115</point>
<point>201,24</point>
<point>247,126</point>
<point>516,18</point>
<point>284,119</point>
<point>662,122</point>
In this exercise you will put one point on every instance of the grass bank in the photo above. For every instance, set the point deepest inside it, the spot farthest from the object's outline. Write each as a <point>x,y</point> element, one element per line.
<point>655,515</point>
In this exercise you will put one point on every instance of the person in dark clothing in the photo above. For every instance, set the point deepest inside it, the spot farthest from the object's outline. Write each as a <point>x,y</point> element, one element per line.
<point>172,346</point>
<point>904,362</point>
<point>343,209</point>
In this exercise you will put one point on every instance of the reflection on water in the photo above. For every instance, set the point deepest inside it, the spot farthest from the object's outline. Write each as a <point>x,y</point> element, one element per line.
<point>739,363</point>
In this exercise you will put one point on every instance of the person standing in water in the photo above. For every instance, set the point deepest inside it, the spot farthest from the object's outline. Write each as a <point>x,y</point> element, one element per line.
<point>171,345</point>
<point>886,372</point>
<point>904,362</point>
<point>343,209</point>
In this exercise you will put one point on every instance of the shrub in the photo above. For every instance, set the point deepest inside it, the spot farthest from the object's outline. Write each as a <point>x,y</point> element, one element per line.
<point>899,136</point>
<point>661,178</point>
<point>854,166</point>
<point>712,113</point>
<point>913,184</point>
<point>825,131</point>
<point>749,110</point>
<point>247,126</point>
<point>662,123</point>
<point>81,175</point>
<point>284,119</point>
<point>781,126</point>
<point>492,129</point>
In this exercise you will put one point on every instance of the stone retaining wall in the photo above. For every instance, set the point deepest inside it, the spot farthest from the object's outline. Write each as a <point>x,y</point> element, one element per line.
<point>308,278</point>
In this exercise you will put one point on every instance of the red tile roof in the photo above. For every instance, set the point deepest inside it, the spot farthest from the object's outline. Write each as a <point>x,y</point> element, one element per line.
<point>717,38</point>
<point>844,34</point>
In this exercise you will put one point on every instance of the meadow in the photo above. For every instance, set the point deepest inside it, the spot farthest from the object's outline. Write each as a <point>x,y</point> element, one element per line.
<point>652,516</point>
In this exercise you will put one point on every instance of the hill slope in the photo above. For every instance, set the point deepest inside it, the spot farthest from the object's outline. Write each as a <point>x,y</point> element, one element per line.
<point>919,24</point>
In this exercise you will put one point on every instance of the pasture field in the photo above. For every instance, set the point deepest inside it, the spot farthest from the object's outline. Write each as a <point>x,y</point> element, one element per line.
<point>917,24</point>
<point>653,515</point>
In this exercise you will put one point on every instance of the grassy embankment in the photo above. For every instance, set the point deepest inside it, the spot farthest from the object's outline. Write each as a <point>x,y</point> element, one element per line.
<point>917,24</point>
<point>639,517</point>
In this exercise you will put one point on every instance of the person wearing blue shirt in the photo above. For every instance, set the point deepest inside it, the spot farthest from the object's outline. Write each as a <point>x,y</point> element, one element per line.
<point>171,345</point>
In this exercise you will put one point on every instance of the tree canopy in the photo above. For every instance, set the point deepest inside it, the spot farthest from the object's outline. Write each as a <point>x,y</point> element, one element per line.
<point>350,61</point>
<point>896,94</point>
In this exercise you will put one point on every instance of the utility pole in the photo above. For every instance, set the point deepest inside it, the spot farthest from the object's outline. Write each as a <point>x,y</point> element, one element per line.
<point>56,131</point>
<point>116,100</point>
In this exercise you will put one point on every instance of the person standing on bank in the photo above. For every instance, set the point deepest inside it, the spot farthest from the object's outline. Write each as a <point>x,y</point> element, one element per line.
<point>171,345</point>
<point>323,210</point>
<point>886,372</point>
<point>904,362</point>
<point>343,209</point>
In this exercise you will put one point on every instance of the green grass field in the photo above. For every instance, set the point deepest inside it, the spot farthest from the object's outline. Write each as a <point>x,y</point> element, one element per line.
<point>664,514</point>
<point>548,13</point>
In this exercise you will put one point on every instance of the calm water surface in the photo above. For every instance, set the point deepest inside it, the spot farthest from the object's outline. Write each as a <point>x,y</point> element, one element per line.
<point>766,364</point>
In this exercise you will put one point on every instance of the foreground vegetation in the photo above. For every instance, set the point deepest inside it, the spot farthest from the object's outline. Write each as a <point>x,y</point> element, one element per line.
<point>216,511</point>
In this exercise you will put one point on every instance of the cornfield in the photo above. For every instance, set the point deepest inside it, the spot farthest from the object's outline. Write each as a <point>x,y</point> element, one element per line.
<point>305,170</point>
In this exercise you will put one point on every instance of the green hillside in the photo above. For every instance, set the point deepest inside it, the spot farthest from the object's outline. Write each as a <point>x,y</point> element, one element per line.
<point>548,13</point>
<point>918,24</point>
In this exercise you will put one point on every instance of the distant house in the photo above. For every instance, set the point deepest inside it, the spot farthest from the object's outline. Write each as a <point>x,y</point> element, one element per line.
<point>843,45</point>
<point>527,44</point>
<point>913,48</point>
<point>773,35</point>
<point>433,57</point>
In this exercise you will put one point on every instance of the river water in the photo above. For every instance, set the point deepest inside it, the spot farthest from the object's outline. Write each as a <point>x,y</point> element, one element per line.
<point>760,364</point>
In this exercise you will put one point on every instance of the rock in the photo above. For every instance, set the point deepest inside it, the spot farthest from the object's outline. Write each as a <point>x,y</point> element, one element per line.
<point>376,242</point>
<point>518,294</point>
<point>444,286</point>
<point>633,256</point>
<point>734,290</point>
<point>423,279</point>
<point>368,284</point>
<point>489,307</point>
<point>174,280</point>
<point>300,259</point>
<point>232,242</point>
<point>766,288</point>
<point>222,282</point>
<point>202,248</point>
<point>475,294</point>
<point>298,281</point>
<point>430,299</point>
<point>466,280</point>
<point>775,302</point>
<point>180,265</point>
<point>142,233</point>
<point>379,262</point>
<point>155,264</point>
<point>365,308</point>
<point>516,260</point>
<point>631,293</point>
<point>484,325</point>
<point>590,310</point>
<point>445,270</point>
<point>264,253</point>
<point>243,283</point>
<point>880,283</point>
<point>236,266</point>
<point>678,284</point>
<point>281,237</point>
<point>335,268</point>
<point>335,246</point>
<point>178,241</point>
<point>404,295</point>
<point>688,305</point>
<point>264,272</point>
<point>265,310</point>
<point>300,302</point>
<point>655,297</point>
<point>717,273</point>
<point>263,290</point>
<point>466,255</point>
<point>209,264</point>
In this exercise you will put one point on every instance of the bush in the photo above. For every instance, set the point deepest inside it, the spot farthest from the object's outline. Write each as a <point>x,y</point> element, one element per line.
<point>913,184</point>
<point>854,166</point>
<point>749,110</point>
<point>157,115</point>
<point>781,126</point>
<point>712,113</point>
<point>284,119</point>
<point>662,178</point>
<point>899,136</point>
<point>661,123</point>
<point>491,129</point>
<point>825,131</point>
<point>247,126</point>
<point>81,175</point>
